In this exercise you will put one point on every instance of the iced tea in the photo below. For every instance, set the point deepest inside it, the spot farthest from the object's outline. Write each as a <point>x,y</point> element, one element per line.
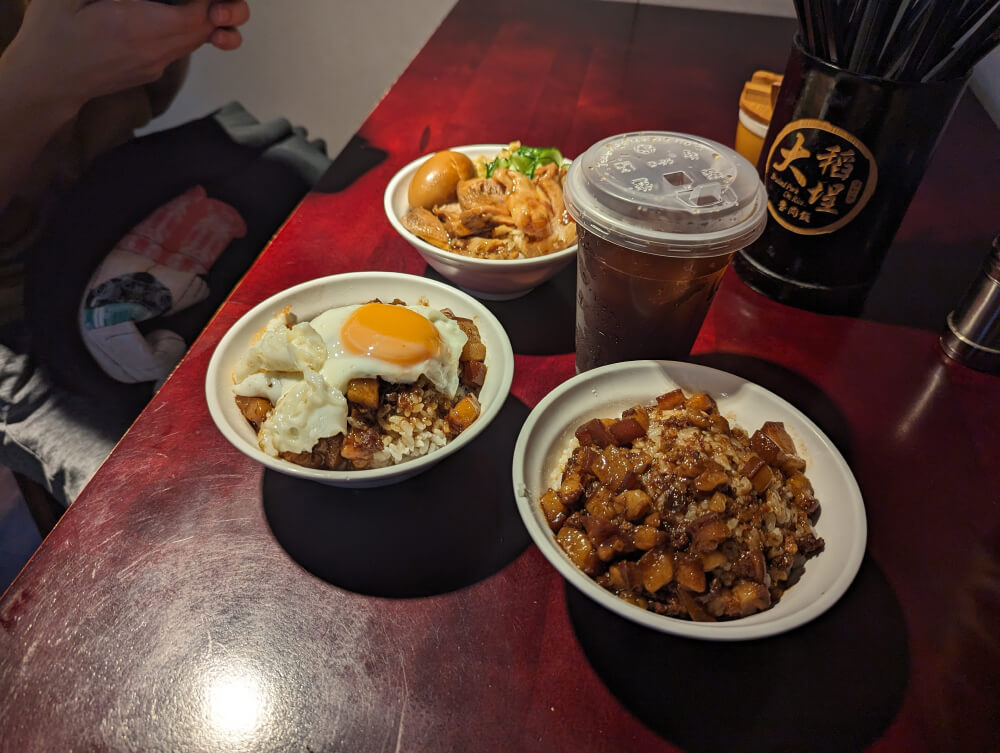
<point>633,305</point>
<point>659,215</point>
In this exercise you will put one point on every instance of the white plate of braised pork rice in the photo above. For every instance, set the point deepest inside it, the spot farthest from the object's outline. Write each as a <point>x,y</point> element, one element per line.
<point>689,500</point>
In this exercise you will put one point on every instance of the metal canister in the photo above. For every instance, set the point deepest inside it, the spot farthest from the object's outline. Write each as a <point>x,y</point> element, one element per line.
<point>972,334</point>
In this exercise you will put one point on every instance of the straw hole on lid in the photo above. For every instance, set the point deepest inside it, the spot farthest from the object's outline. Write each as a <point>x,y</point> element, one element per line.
<point>703,196</point>
<point>679,178</point>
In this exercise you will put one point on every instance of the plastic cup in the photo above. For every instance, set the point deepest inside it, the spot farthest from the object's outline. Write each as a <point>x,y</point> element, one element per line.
<point>659,216</point>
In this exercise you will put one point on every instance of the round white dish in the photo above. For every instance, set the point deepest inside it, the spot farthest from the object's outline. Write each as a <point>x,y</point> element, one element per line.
<point>310,299</point>
<point>604,393</point>
<point>489,279</point>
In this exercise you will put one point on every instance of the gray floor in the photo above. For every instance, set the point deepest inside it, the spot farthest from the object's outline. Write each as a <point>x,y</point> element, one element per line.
<point>18,536</point>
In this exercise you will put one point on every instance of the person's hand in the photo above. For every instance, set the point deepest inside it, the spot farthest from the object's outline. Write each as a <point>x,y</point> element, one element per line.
<point>76,50</point>
<point>228,16</point>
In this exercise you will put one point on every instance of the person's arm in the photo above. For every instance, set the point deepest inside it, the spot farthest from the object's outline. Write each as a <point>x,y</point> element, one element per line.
<point>31,115</point>
<point>68,52</point>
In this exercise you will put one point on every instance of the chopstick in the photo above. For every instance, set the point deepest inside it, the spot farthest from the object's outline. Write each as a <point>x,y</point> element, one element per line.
<point>850,15</point>
<point>902,28</point>
<point>871,29</point>
<point>803,11</point>
<point>826,15</point>
<point>925,45</point>
<point>969,51</point>
<point>906,40</point>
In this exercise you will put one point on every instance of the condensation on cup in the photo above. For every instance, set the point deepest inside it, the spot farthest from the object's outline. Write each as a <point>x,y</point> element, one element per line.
<point>659,217</point>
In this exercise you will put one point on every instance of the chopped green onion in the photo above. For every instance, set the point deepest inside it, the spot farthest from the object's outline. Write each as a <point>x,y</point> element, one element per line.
<point>526,159</point>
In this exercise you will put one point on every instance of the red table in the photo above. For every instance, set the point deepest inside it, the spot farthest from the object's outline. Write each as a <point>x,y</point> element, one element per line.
<point>190,601</point>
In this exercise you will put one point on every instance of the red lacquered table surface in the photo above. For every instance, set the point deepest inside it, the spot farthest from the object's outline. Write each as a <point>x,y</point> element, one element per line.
<point>190,601</point>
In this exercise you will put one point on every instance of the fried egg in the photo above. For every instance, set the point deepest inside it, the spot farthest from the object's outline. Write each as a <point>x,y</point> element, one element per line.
<point>397,343</point>
<point>303,369</point>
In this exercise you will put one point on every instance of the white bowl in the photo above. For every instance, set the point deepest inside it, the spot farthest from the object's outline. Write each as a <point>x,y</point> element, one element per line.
<point>604,393</point>
<point>489,279</point>
<point>310,299</point>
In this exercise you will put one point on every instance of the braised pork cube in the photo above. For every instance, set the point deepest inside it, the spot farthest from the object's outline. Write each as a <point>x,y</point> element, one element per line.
<point>758,472</point>
<point>473,374</point>
<point>475,349</point>
<point>632,425</point>
<point>363,392</point>
<point>788,460</point>
<point>595,432</point>
<point>254,409</point>
<point>464,413</point>
<point>579,549</point>
<point>360,446</point>
<point>670,400</point>
<point>554,509</point>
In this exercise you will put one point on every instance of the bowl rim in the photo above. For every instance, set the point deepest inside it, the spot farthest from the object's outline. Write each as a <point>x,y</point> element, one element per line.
<point>406,172</point>
<point>502,364</point>
<point>761,625</point>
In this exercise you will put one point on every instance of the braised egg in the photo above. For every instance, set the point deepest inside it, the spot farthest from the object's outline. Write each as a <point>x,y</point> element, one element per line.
<point>303,369</point>
<point>436,180</point>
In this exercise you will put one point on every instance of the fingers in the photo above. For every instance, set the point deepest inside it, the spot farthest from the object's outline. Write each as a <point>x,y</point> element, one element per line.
<point>155,22</point>
<point>229,13</point>
<point>226,39</point>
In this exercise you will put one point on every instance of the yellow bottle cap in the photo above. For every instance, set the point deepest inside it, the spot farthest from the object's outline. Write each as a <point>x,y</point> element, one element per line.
<point>759,95</point>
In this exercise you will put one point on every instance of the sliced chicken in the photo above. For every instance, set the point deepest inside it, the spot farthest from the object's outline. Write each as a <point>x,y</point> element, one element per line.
<point>547,179</point>
<point>530,208</point>
<point>562,237</point>
<point>461,223</point>
<point>479,192</point>
<point>422,223</point>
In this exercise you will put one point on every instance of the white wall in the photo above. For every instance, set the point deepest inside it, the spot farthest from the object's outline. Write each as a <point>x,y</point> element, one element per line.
<point>325,64</point>
<point>986,84</point>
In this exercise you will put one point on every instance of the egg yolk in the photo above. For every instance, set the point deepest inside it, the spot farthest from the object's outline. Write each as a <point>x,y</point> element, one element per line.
<point>390,333</point>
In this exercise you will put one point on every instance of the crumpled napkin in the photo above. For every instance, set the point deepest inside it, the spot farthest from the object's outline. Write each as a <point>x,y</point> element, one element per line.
<point>153,271</point>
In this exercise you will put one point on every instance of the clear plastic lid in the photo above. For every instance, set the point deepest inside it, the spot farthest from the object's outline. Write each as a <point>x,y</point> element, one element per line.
<point>667,193</point>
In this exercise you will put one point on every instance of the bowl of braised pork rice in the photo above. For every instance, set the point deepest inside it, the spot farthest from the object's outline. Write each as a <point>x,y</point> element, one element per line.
<point>689,500</point>
<point>361,379</point>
